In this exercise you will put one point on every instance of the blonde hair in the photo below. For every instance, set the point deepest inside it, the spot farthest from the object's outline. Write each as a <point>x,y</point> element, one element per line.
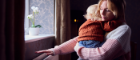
<point>92,9</point>
<point>115,6</point>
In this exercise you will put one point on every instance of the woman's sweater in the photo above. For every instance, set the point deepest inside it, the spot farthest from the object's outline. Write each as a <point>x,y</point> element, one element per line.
<point>117,45</point>
<point>95,30</point>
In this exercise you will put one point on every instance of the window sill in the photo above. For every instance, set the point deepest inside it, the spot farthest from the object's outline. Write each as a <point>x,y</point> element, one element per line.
<point>28,37</point>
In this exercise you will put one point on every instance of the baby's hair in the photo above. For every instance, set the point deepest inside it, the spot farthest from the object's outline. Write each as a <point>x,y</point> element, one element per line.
<point>92,9</point>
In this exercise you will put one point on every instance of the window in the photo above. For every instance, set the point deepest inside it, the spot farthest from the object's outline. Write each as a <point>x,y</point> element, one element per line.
<point>45,17</point>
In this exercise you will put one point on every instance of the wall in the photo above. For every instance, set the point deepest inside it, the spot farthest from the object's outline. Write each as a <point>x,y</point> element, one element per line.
<point>33,45</point>
<point>133,18</point>
<point>46,16</point>
<point>81,5</point>
<point>132,15</point>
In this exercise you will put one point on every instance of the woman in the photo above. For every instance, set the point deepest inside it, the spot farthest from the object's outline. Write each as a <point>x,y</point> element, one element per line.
<point>117,44</point>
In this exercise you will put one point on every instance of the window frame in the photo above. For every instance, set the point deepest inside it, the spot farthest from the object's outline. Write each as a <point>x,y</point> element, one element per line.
<point>26,20</point>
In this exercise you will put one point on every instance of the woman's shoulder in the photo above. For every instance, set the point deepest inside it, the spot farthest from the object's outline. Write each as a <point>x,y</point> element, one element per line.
<point>119,32</point>
<point>123,26</point>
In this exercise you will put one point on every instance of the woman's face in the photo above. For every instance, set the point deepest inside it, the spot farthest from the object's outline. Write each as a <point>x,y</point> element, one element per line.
<point>105,13</point>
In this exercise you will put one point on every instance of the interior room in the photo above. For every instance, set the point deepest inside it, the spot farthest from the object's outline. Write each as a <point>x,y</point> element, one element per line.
<point>58,21</point>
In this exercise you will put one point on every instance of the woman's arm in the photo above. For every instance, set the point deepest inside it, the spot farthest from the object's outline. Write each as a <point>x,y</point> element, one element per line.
<point>117,44</point>
<point>66,47</point>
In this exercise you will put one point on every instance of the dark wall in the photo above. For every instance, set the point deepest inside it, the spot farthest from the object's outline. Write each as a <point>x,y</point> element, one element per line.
<point>132,15</point>
<point>133,18</point>
<point>81,4</point>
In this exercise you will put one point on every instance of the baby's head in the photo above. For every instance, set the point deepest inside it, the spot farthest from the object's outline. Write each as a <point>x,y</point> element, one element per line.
<point>91,12</point>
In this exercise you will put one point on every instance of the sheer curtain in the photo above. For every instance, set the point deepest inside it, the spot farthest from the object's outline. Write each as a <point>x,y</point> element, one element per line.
<point>62,21</point>
<point>12,30</point>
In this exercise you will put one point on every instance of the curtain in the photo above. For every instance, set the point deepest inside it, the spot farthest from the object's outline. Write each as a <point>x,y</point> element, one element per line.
<point>12,30</point>
<point>62,24</point>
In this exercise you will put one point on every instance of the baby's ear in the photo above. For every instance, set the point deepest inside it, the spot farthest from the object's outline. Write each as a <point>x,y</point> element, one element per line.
<point>97,19</point>
<point>92,19</point>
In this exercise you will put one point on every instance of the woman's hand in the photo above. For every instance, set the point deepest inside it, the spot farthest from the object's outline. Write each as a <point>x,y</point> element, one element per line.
<point>48,52</point>
<point>77,48</point>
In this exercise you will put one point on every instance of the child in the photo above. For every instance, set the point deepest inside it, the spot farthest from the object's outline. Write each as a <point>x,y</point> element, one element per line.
<point>87,31</point>
<point>91,33</point>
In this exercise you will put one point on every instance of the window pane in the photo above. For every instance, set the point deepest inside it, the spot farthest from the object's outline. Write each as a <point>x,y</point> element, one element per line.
<point>46,15</point>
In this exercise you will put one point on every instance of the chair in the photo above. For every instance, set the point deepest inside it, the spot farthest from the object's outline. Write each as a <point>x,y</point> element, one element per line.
<point>133,46</point>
